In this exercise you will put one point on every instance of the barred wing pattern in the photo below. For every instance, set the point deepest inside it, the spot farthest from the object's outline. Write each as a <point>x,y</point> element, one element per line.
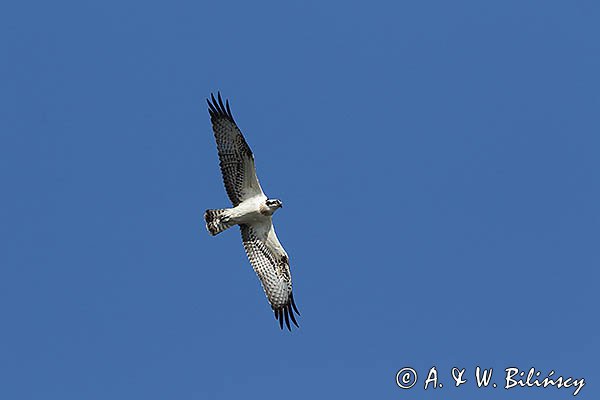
<point>235,156</point>
<point>271,264</point>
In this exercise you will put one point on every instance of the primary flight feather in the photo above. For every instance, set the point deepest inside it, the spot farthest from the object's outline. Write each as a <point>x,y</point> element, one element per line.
<point>252,211</point>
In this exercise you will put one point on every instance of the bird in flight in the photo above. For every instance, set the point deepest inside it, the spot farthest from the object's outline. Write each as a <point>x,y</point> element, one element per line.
<point>252,211</point>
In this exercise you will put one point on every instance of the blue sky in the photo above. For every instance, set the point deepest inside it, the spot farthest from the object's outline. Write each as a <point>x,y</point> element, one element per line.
<point>438,162</point>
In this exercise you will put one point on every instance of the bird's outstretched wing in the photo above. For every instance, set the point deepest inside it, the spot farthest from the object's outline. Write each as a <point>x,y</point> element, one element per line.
<point>235,156</point>
<point>271,264</point>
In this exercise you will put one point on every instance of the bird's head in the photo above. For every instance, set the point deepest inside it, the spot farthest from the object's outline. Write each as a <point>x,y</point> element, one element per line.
<point>273,204</point>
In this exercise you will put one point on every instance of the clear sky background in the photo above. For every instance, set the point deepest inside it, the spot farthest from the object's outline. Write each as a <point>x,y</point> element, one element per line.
<point>438,162</point>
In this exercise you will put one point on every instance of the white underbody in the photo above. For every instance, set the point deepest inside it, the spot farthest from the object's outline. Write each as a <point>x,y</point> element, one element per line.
<point>254,212</point>
<point>248,211</point>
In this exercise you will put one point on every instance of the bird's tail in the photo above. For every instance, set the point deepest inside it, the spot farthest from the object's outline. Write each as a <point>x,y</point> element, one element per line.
<point>217,221</point>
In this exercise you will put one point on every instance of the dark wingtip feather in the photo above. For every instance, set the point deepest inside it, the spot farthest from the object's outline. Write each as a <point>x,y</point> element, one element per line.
<point>211,109</point>
<point>287,319</point>
<point>228,109</point>
<point>294,303</point>
<point>221,102</point>
<point>292,316</point>
<point>280,319</point>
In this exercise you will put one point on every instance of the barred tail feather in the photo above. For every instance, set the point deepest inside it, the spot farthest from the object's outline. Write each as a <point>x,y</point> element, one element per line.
<point>215,221</point>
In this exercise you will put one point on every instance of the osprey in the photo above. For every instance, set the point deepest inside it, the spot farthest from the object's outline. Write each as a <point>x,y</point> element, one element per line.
<point>252,211</point>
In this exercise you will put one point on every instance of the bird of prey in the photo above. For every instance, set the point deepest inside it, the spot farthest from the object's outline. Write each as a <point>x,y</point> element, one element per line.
<point>252,211</point>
